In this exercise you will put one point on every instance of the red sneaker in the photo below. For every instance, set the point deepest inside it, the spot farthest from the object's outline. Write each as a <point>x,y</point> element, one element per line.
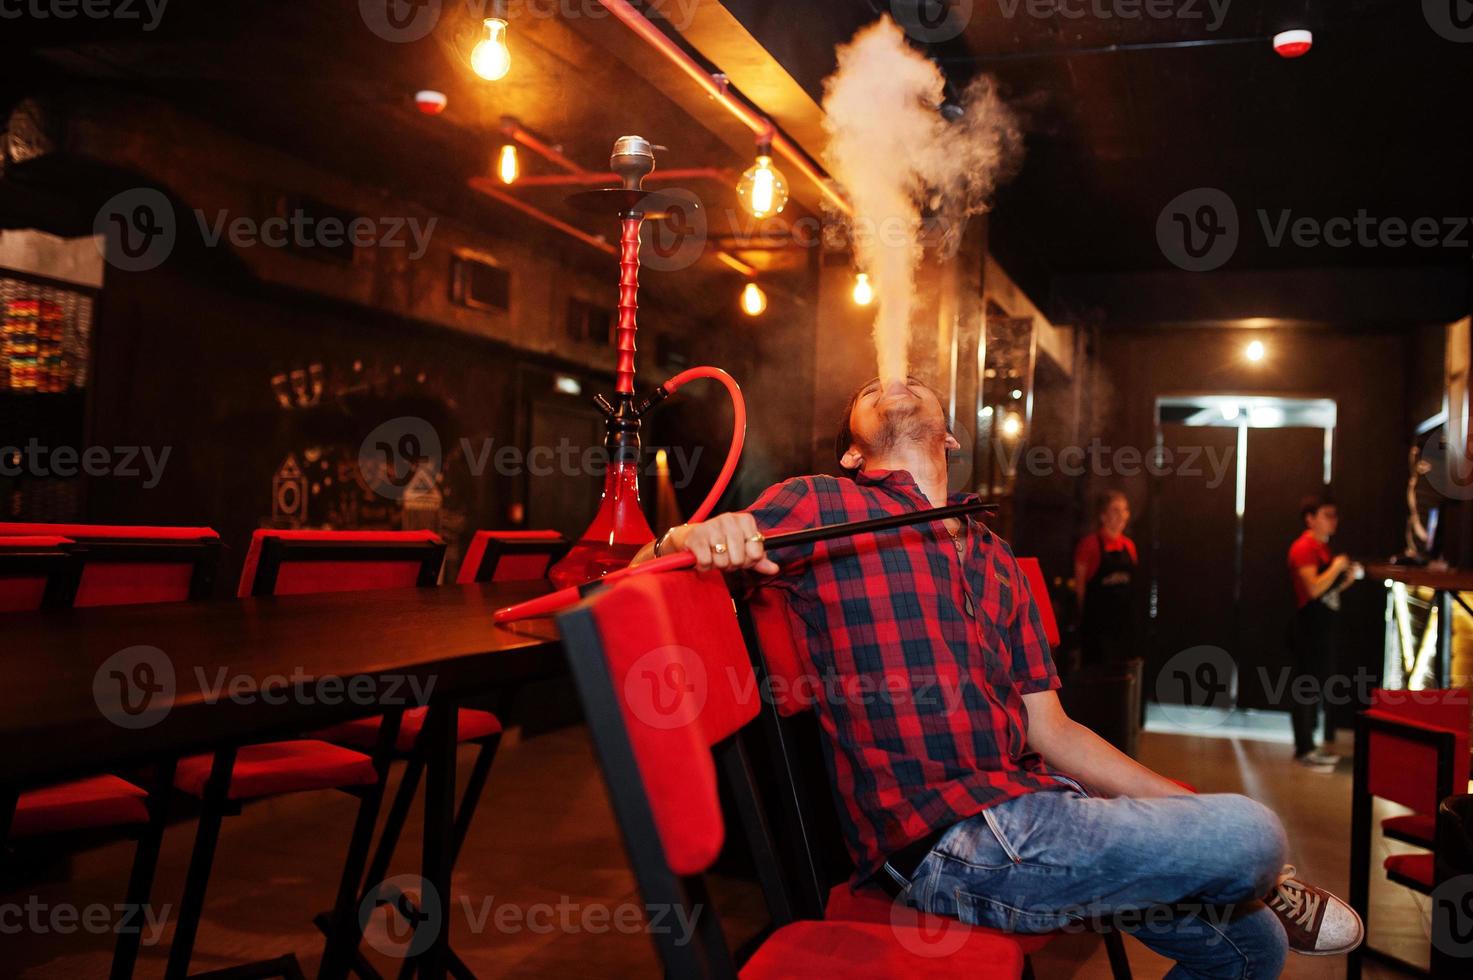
<point>1318,923</point>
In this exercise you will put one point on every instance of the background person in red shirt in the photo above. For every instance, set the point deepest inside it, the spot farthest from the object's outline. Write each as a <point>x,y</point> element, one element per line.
<point>960,780</point>
<point>1318,577</point>
<point>1104,580</point>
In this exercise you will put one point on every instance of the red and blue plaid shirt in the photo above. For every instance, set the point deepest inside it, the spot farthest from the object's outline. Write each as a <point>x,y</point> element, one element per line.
<point>923,659</point>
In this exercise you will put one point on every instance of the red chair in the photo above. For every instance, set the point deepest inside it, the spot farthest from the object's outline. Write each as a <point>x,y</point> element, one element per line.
<point>42,570</point>
<point>36,573</point>
<point>299,562</point>
<point>821,874</point>
<point>510,556</point>
<point>666,683</point>
<point>126,565</point>
<point>1411,747</point>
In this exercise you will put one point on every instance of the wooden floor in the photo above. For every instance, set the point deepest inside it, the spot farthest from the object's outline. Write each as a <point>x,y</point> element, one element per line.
<point>543,889</point>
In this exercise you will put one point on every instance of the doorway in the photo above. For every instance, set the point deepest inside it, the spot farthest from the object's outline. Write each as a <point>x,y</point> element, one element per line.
<point>1218,575</point>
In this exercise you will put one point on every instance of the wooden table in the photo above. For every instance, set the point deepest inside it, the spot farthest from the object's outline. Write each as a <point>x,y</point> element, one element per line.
<point>297,663</point>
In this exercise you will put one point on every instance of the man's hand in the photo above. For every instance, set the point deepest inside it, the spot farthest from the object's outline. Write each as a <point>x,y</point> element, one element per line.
<point>1339,564</point>
<point>726,541</point>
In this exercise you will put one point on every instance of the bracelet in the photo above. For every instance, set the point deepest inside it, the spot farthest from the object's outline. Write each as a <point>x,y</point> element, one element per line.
<point>661,540</point>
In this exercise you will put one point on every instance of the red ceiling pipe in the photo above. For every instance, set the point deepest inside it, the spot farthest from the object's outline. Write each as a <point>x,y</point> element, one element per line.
<point>753,119</point>
<point>546,150</point>
<point>488,187</point>
<point>591,178</point>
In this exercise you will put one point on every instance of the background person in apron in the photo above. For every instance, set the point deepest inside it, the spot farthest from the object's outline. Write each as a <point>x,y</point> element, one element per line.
<point>1104,580</point>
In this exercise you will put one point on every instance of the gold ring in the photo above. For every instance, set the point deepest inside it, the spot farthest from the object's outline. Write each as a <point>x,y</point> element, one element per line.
<point>719,547</point>
<point>757,537</point>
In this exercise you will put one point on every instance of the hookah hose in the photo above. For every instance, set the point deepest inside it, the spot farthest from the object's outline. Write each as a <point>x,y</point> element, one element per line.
<point>553,601</point>
<point>738,428</point>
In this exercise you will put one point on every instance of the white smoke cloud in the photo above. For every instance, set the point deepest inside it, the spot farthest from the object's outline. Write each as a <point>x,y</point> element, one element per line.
<point>896,155</point>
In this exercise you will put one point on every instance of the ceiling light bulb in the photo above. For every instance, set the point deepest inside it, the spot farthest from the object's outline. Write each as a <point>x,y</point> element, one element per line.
<point>506,164</point>
<point>490,58</point>
<point>864,293</point>
<point>1254,351</point>
<point>754,300</point>
<point>1011,425</point>
<point>763,189</point>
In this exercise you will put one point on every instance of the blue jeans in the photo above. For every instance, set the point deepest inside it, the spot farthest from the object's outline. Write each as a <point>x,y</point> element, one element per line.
<point>1184,874</point>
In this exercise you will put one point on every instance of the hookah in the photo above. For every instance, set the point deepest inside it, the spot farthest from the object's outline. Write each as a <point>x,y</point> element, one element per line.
<point>619,529</point>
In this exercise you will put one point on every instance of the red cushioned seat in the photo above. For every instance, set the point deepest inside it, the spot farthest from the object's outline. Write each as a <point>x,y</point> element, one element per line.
<point>865,949</point>
<point>83,804</point>
<point>302,562</point>
<point>362,733</point>
<point>871,904</point>
<point>1412,867</point>
<point>126,565</point>
<point>509,556</point>
<point>280,767</point>
<point>1414,828</point>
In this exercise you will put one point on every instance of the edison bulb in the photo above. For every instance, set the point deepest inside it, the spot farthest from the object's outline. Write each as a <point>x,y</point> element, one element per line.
<point>754,300</point>
<point>490,58</point>
<point>763,189</point>
<point>864,293</point>
<point>1255,351</point>
<point>506,164</point>
<point>1011,425</point>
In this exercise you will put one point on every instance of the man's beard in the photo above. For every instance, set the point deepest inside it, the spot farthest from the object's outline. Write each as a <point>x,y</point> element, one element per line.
<point>904,424</point>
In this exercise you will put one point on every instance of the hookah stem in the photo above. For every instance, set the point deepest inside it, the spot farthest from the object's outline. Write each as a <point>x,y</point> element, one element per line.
<point>553,601</point>
<point>628,299</point>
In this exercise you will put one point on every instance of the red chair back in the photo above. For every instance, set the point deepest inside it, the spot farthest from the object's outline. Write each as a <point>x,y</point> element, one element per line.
<point>301,562</point>
<point>791,678</point>
<point>35,573</point>
<point>123,565</point>
<point>1039,587</point>
<point>1405,770</point>
<point>667,652</point>
<point>510,556</point>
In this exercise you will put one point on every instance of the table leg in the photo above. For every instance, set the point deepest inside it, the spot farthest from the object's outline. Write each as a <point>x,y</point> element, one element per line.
<point>1441,667</point>
<point>438,737</point>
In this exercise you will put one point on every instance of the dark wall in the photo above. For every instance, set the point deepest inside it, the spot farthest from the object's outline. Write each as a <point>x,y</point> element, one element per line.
<point>1365,375</point>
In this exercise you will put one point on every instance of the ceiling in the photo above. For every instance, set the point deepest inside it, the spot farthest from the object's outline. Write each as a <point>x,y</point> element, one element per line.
<point>1124,114</point>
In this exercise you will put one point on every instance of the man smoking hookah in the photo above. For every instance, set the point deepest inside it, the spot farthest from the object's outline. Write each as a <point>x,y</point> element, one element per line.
<point>960,805</point>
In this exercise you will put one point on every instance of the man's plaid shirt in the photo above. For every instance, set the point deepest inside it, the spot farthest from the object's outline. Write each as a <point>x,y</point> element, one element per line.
<point>922,700</point>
